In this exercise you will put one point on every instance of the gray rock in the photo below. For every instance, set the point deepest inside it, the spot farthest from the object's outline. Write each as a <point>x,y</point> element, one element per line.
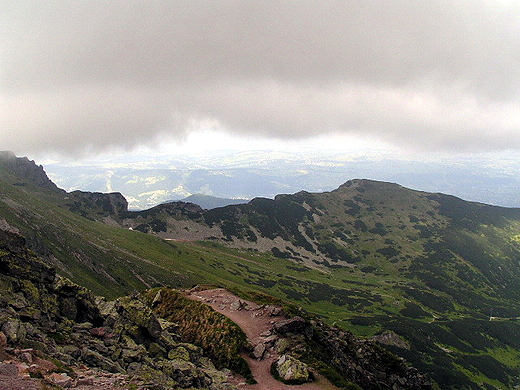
<point>258,351</point>
<point>391,338</point>
<point>95,359</point>
<point>238,305</point>
<point>292,325</point>
<point>184,373</point>
<point>292,370</point>
<point>14,330</point>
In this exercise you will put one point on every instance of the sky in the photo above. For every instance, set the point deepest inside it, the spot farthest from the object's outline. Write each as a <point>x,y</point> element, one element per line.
<point>89,77</point>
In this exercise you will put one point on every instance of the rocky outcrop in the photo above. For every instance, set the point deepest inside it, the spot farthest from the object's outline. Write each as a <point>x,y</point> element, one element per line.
<point>357,360</point>
<point>27,171</point>
<point>97,205</point>
<point>45,316</point>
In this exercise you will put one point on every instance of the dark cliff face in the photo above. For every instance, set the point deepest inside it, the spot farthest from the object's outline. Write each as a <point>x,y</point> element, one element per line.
<point>27,170</point>
<point>97,205</point>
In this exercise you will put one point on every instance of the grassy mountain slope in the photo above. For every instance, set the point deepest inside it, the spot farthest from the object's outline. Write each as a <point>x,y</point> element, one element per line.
<point>440,273</point>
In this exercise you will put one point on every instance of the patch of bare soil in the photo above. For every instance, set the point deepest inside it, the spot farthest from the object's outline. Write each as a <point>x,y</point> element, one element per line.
<point>256,321</point>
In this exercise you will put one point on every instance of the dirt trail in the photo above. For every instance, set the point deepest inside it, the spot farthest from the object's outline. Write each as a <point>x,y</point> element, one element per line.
<point>255,321</point>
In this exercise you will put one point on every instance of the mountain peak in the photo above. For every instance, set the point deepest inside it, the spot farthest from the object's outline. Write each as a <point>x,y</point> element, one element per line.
<point>7,155</point>
<point>363,183</point>
<point>26,170</point>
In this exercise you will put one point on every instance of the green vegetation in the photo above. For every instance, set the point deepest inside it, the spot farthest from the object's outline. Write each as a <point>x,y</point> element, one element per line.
<point>368,257</point>
<point>220,338</point>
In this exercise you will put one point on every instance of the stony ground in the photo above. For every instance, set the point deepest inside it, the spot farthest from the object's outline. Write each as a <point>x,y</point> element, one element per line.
<point>18,367</point>
<point>256,321</point>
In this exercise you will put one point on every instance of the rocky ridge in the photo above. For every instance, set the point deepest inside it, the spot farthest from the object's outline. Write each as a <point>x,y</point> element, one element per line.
<point>299,349</point>
<point>27,170</point>
<point>53,331</point>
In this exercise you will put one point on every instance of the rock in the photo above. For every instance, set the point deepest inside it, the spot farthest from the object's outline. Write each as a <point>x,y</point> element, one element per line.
<point>270,340</point>
<point>180,353</point>
<point>3,340</point>
<point>281,345</point>
<point>168,326</point>
<point>185,374</point>
<point>157,350</point>
<point>291,370</point>
<point>85,381</point>
<point>98,332</point>
<point>274,311</point>
<point>258,351</point>
<point>95,359</point>
<point>83,326</point>
<point>391,338</point>
<point>292,325</point>
<point>8,369</point>
<point>238,305</point>
<point>62,380</point>
<point>157,300</point>
<point>26,357</point>
<point>14,330</point>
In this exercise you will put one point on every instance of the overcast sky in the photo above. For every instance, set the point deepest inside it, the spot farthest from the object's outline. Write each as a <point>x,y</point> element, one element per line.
<point>87,76</point>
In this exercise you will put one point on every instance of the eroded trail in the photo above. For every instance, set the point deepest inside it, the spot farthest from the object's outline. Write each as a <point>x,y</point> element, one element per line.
<point>256,321</point>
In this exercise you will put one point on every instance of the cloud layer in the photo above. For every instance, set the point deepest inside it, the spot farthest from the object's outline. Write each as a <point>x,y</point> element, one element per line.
<point>81,76</point>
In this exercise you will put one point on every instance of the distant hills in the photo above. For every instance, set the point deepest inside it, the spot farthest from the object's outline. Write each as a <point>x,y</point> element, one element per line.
<point>147,181</point>
<point>436,277</point>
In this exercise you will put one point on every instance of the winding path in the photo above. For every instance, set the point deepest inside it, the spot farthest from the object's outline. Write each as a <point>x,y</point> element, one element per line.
<point>256,324</point>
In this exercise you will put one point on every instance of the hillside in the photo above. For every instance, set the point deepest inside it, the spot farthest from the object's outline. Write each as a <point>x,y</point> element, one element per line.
<point>433,277</point>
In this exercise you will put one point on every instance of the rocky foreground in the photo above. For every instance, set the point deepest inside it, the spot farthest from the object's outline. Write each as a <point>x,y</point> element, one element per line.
<point>56,334</point>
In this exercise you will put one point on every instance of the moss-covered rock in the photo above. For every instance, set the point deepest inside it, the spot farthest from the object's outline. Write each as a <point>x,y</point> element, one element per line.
<point>291,370</point>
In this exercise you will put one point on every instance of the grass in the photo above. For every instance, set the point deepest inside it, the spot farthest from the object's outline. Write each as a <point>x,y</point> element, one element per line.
<point>456,261</point>
<point>220,338</point>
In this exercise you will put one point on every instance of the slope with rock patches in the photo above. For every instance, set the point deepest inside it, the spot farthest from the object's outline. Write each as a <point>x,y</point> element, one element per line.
<point>440,273</point>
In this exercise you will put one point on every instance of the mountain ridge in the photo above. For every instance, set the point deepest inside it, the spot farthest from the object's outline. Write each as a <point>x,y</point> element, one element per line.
<point>369,256</point>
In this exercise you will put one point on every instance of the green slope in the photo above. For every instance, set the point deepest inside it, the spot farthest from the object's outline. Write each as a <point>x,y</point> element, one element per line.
<point>431,267</point>
<point>368,257</point>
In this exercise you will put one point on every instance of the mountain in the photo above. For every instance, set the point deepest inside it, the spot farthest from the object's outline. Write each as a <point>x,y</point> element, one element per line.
<point>72,339</point>
<point>432,277</point>
<point>440,272</point>
<point>212,202</point>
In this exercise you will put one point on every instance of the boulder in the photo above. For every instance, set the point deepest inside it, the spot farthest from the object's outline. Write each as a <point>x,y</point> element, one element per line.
<point>238,305</point>
<point>391,338</point>
<point>184,373</point>
<point>14,330</point>
<point>293,325</point>
<point>258,351</point>
<point>95,359</point>
<point>179,353</point>
<point>292,370</point>
<point>3,340</point>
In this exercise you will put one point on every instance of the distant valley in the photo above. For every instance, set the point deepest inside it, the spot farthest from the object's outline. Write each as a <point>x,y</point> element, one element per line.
<point>146,181</point>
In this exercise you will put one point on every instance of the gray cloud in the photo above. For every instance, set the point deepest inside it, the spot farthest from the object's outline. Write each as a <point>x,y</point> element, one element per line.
<point>84,76</point>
